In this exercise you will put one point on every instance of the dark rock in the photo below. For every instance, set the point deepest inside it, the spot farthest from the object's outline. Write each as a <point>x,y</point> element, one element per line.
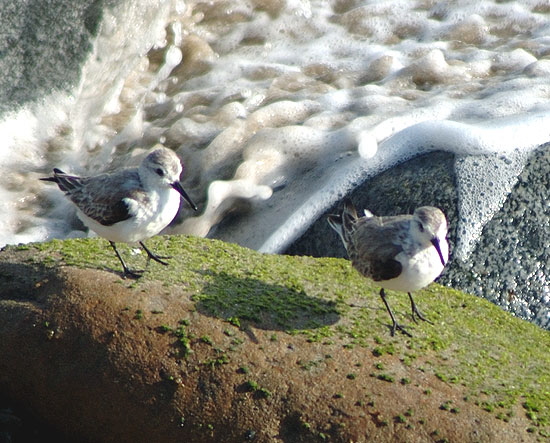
<point>510,265</point>
<point>38,57</point>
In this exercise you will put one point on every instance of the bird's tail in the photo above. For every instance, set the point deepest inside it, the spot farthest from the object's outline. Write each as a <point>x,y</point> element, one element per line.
<point>65,182</point>
<point>343,223</point>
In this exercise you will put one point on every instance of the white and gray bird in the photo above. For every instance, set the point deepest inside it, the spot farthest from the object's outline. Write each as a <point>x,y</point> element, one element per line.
<point>400,253</point>
<point>131,204</point>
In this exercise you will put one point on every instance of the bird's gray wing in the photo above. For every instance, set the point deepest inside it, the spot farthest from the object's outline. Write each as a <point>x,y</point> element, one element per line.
<point>103,198</point>
<point>375,246</point>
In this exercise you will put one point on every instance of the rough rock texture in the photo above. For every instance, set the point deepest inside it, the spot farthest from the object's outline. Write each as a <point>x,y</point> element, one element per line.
<point>509,265</point>
<point>37,57</point>
<point>231,345</point>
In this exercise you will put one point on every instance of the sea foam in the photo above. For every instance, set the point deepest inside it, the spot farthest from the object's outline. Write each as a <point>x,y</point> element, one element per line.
<point>279,109</point>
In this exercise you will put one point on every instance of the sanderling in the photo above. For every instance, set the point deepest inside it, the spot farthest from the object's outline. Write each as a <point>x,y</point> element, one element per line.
<point>131,204</point>
<point>401,253</point>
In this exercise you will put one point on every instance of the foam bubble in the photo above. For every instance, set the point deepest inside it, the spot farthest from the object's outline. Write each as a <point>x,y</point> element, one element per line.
<point>433,68</point>
<point>513,61</point>
<point>472,30</point>
<point>367,145</point>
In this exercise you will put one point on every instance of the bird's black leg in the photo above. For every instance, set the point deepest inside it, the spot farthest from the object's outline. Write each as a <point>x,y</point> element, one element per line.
<point>395,325</point>
<point>153,256</point>
<point>417,312</point>
<point>127,270</point>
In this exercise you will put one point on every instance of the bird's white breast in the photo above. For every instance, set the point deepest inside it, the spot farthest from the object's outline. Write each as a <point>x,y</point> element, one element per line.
<point>148,217</point>
<point>419,269</point>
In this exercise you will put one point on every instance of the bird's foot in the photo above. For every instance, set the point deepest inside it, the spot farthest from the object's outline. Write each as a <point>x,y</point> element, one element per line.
<point>416,313</point>
<point>134,274</point>
<point>152,256</point>
<point>397,327</point>
<point>158,258</point>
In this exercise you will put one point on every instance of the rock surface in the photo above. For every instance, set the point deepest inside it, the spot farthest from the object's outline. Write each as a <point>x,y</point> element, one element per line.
<point>230,345</point>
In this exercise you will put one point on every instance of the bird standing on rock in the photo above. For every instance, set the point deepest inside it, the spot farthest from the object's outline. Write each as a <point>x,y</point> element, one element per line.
<point>131,204</point>
<point>401,253</point>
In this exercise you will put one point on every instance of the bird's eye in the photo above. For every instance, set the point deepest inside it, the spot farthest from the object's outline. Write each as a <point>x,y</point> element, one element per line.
<point>160,172</point>
<point>420,227</point>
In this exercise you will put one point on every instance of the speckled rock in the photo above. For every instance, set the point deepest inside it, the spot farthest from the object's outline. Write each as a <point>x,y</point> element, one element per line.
<point>511,263</point>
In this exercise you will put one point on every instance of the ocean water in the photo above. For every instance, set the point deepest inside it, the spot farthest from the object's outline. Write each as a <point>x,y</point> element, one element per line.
<point>277,108</point>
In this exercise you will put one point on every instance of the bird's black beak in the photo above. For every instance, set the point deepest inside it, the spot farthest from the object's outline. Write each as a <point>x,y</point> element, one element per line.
<point>435,242</point>
<point>177,186</point>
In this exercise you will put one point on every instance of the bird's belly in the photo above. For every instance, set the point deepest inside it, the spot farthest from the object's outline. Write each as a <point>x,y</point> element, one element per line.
<point>418,271</point>
<point>146,222</point>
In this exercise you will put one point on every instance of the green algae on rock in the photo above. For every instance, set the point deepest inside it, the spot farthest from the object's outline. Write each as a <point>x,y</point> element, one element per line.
<point>499,363</point>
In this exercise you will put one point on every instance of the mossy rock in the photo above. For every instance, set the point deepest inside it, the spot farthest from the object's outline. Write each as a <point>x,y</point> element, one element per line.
<point>302,335</point>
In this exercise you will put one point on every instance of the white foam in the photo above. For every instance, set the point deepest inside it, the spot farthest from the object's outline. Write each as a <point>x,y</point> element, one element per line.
<point>287,106</point>
<point>223,195</point>
<point>367,145</point>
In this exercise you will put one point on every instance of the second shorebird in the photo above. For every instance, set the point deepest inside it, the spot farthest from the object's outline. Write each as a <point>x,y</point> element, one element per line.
<point>129,205</point>
<point>401,253</point>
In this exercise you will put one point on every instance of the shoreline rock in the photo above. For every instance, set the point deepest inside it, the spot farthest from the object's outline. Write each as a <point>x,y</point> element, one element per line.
<point>227,344</point>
